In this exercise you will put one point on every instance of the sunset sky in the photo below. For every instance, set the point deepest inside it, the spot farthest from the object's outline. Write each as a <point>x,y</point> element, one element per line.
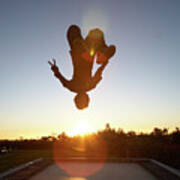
<point>140,89</point>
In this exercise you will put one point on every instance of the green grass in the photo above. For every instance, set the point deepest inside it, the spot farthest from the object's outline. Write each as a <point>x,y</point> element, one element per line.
<point>19,157</point>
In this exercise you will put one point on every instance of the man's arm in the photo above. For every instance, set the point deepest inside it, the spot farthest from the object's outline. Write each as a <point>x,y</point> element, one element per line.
<point>98,75</point>
<point>58,75</point>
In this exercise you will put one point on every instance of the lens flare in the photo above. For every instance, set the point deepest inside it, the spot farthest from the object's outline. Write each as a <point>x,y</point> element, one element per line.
<point>74,178</point>
<point>92,52</point>
<point>80,163</point>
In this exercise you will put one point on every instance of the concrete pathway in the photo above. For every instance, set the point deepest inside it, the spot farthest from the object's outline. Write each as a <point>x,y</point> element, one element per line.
<point>111,171</point>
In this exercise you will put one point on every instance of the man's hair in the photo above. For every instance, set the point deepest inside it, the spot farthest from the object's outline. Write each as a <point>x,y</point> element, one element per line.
<point>81,100</point>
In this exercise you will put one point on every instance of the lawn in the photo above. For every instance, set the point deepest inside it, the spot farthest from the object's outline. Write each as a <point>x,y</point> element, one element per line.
<point>19,157</point>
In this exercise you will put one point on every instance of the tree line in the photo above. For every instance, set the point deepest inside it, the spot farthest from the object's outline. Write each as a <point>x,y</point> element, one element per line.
<point>160,144</point>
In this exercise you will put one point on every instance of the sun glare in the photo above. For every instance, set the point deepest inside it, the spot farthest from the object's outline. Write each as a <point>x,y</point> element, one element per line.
<point>81,129</point>
<point>94,18</point>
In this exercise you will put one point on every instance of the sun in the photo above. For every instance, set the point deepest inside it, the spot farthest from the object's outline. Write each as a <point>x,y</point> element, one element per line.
<point>81,129</point>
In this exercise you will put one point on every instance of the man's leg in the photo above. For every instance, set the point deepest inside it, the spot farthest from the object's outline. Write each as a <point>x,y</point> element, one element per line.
<point>110,51</point>
<point>73,34</point>
<point>77,44</point>
<point>105,54</point>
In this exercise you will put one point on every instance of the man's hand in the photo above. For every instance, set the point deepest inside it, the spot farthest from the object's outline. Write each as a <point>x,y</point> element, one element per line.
<point>54,68</point>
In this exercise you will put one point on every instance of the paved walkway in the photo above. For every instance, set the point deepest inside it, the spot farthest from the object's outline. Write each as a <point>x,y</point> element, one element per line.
<point>111,171</point>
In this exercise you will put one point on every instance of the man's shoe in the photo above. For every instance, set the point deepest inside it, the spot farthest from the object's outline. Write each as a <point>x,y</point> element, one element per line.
<point>105,54</point>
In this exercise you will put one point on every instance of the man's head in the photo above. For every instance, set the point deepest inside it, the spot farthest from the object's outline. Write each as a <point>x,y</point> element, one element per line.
<point>81,100</point>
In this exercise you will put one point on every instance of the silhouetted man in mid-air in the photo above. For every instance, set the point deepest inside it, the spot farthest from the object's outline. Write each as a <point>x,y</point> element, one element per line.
<point>83,53</point>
